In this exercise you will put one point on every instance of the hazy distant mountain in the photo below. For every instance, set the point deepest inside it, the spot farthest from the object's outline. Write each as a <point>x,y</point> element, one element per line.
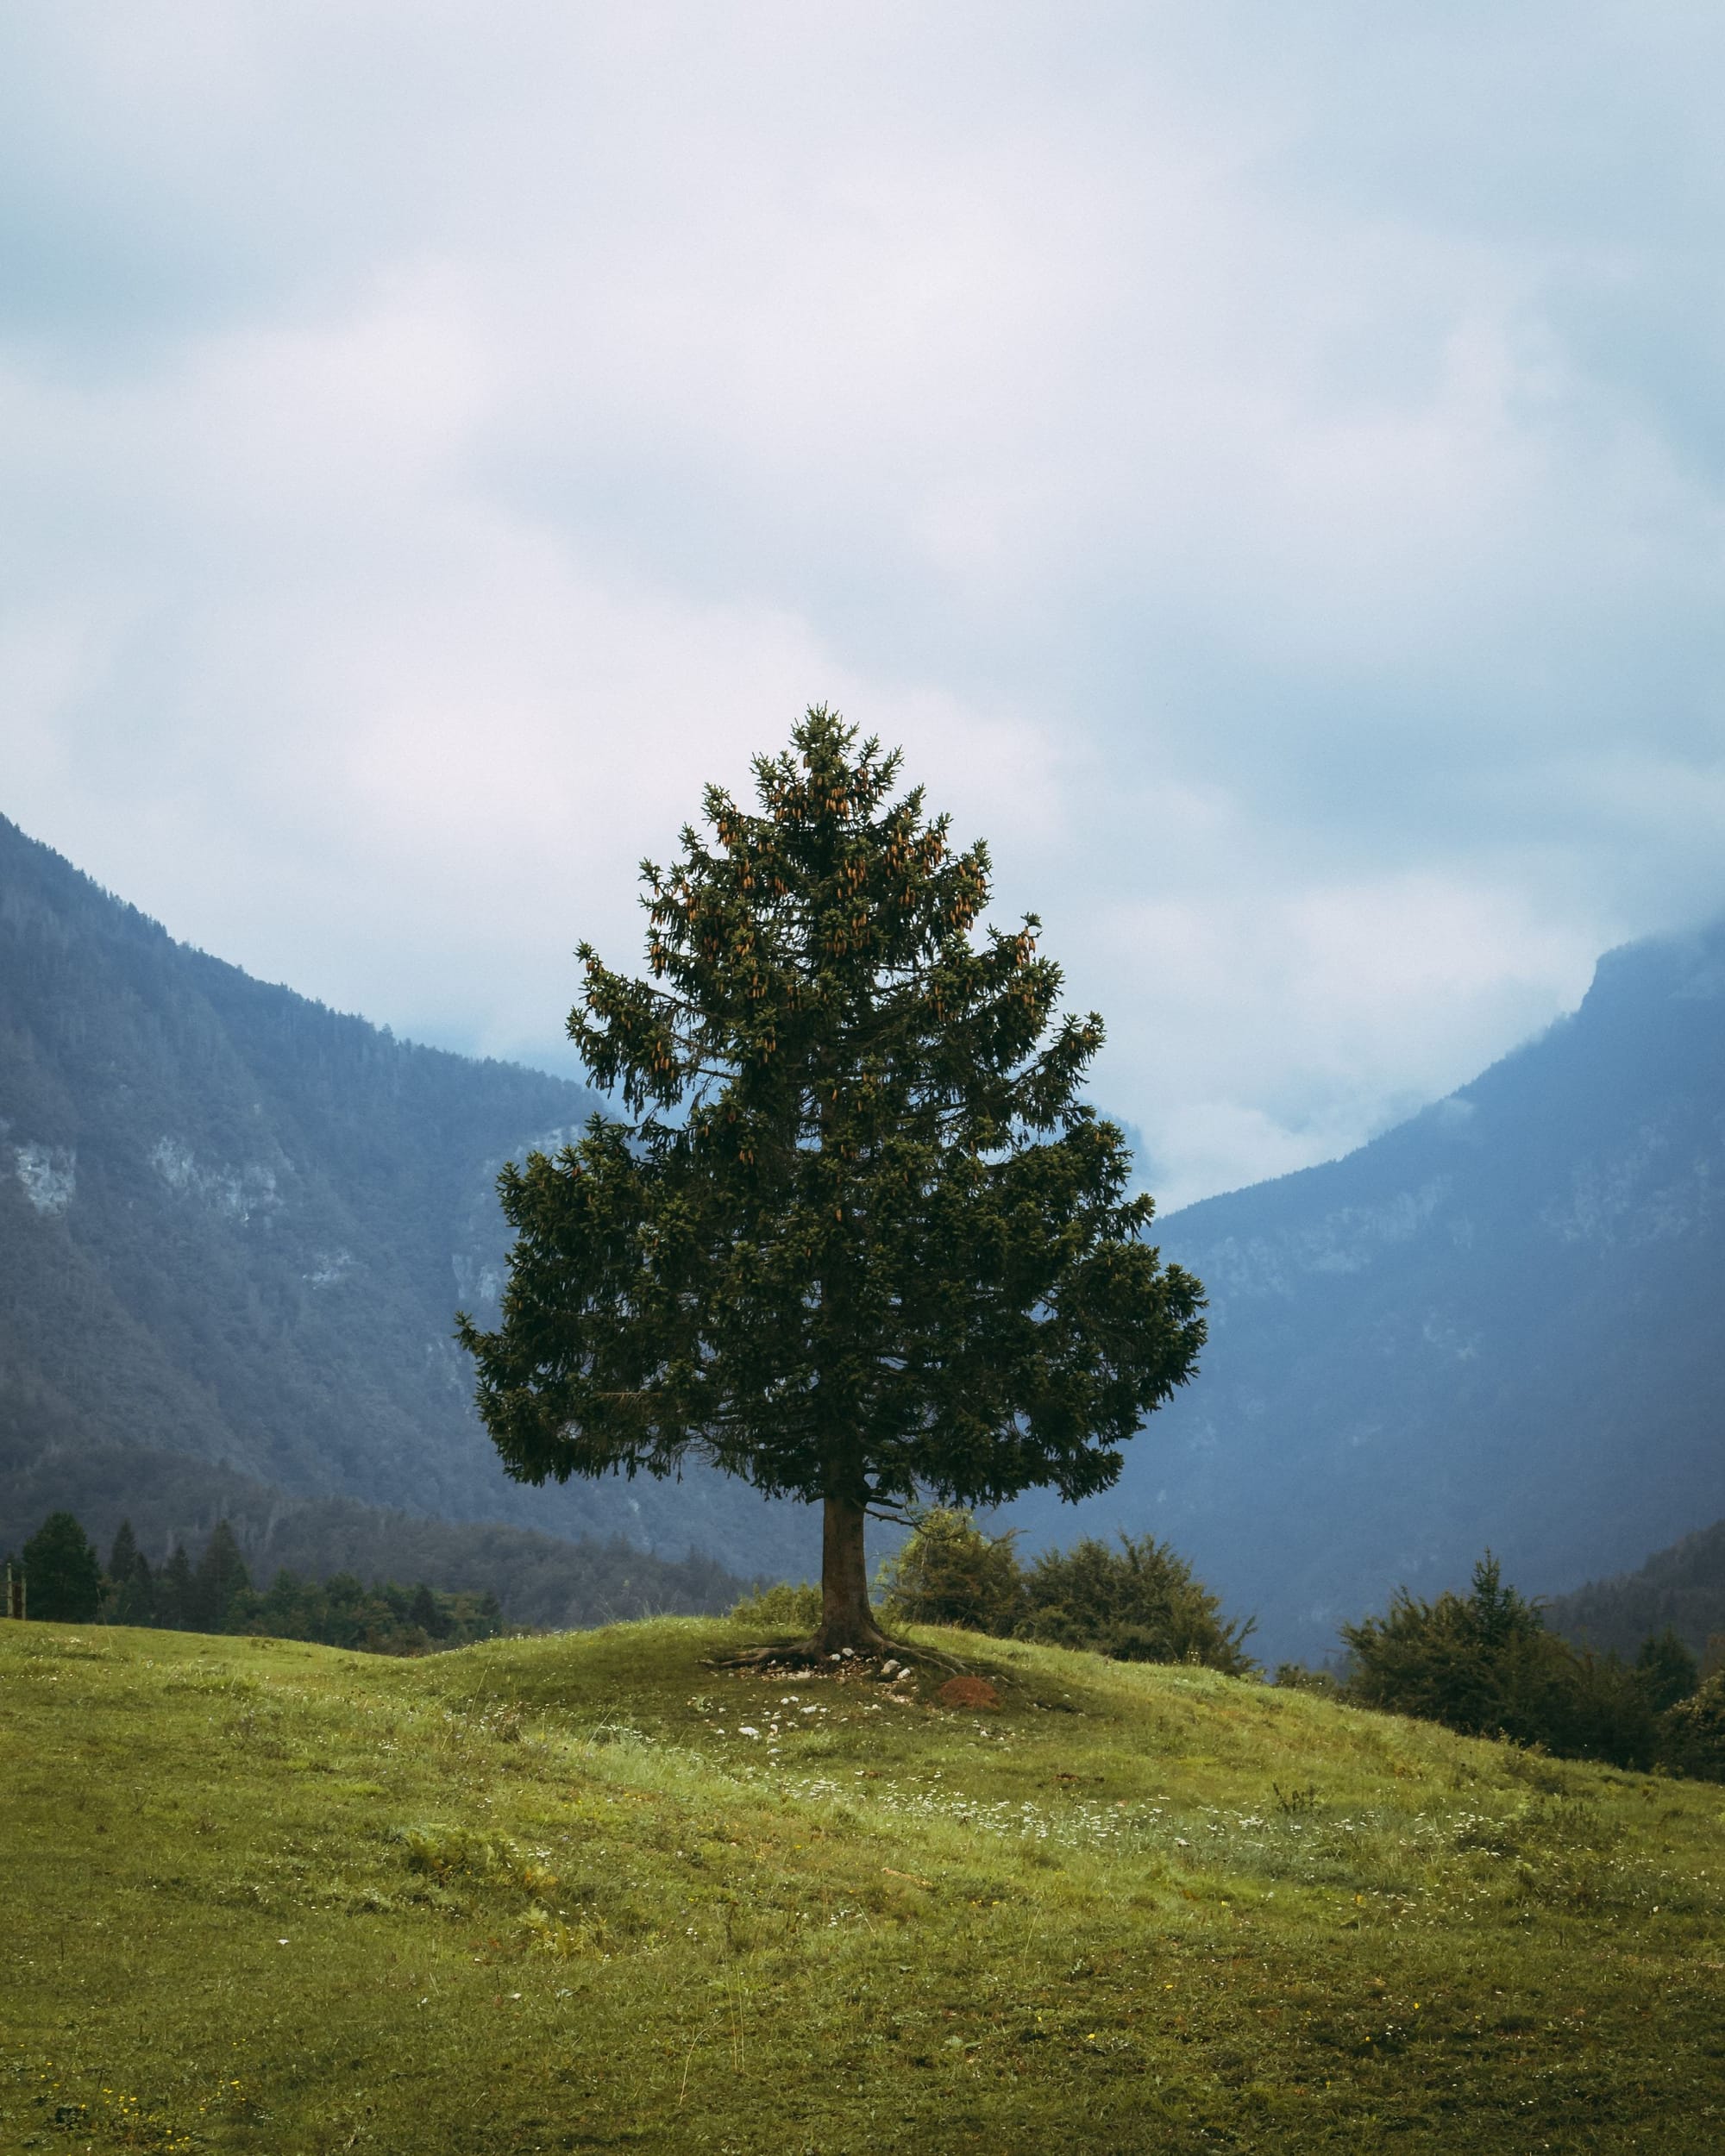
<point>173,1498</point>
<point>236,1225</point>
<point>1683,1587</point>
<point>1500,1323</point>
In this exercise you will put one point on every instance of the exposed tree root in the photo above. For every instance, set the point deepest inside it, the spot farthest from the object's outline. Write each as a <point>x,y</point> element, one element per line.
<point>805,1656</point>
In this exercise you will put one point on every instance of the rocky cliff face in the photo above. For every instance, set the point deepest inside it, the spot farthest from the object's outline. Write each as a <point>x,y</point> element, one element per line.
<point>1498,1324</point>
<point>237,1225</point>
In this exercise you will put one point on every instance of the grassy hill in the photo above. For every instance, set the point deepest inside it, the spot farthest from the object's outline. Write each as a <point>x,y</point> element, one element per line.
<point>588,1892</point>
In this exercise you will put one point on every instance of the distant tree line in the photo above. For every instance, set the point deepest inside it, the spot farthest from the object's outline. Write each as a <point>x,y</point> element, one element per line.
<point>1682,1587</point>
<point>65,1582</point>
<point>546,1583</point>
<point>1488,1664</point>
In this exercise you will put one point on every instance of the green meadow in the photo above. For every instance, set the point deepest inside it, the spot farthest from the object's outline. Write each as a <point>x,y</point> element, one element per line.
<point>590,1892</point>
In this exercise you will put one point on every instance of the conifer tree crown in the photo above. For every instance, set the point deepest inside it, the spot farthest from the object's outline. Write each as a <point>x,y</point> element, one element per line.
<point>861,1238</point>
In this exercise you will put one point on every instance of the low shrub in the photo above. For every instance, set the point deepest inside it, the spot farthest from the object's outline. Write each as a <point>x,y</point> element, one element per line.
<point>1296,1676</point>
<point>1138,1603</point>
<point>1135,1603</point>
<point>950,1573</point>
<point>781,1606</point>
<point>1693,1733</point>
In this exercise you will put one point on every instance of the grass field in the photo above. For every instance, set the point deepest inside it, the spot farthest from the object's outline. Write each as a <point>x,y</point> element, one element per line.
<point>554,1894</point>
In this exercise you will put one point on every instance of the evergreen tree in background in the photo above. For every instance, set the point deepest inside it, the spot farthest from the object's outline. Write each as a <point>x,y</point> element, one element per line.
<point>423,1611</point>
<point>131,1589</point>
<point>176,1598</point>
<point>1485,1664</point>
<point>220,1580</point>
<point>122,1558</point>
<point>216,1595</point>
<point>62,1572</point>
<point>864,1240</point>
<point>1667,1670</point>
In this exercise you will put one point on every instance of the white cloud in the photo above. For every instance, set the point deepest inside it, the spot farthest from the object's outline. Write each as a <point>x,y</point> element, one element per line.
<point>1259,474</point>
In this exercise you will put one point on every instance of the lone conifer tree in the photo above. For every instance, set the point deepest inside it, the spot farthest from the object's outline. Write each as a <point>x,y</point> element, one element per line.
<point>862,1240</point>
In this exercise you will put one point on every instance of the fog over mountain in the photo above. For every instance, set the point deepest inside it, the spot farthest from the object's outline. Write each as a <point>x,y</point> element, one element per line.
<point>235,1227</point>
<point>1496,1323</point>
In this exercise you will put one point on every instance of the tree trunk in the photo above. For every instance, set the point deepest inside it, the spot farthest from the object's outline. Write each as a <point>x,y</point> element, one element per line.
<point>846,1620</point>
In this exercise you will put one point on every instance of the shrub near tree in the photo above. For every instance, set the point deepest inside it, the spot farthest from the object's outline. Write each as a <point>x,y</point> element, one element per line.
<point>1138,1603</point>
<point>949,1572</point>
<point>1135,1603</point>
<point>861,1241</point>
<point>1693,1732</point>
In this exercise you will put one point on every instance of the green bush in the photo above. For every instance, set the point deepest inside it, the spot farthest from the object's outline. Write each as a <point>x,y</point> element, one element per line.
<point>1139,1603</point>
<point>1485,1663</point>
<point>783,1607</point>
<point>950,1573</point>
<point>1693,1733</point>
<point>1296,1676</point>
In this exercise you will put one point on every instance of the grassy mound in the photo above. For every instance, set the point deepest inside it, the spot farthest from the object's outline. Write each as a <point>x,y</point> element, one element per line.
<point>586,1893</point>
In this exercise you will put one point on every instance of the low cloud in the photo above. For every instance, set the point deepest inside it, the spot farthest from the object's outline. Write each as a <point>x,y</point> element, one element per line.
<point>1266,476</point>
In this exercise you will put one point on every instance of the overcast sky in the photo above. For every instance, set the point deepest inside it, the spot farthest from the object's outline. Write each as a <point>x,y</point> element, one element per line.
<point>1264,464</point>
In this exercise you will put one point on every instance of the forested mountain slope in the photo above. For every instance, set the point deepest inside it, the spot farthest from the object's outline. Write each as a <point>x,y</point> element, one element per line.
<point>1683,1587</point>
<point>235,1224</point>
<point>1497,1324</point>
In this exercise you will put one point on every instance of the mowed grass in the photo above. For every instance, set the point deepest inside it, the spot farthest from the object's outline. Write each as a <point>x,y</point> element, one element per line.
<point>546,1895</point>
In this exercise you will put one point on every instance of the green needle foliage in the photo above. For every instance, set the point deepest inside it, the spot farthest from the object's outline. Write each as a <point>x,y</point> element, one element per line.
<point>62,1572</point>
<point>861,1240</point>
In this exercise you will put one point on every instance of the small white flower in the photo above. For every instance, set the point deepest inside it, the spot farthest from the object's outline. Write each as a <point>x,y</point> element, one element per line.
<point>745,1730</point>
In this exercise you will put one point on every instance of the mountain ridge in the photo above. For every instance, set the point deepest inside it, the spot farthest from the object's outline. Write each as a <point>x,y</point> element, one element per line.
<point>238,1226</point>
<point>1494,1323</point>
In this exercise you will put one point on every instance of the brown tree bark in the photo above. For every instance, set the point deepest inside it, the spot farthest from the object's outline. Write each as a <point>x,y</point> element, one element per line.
<point>846,1620</point>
